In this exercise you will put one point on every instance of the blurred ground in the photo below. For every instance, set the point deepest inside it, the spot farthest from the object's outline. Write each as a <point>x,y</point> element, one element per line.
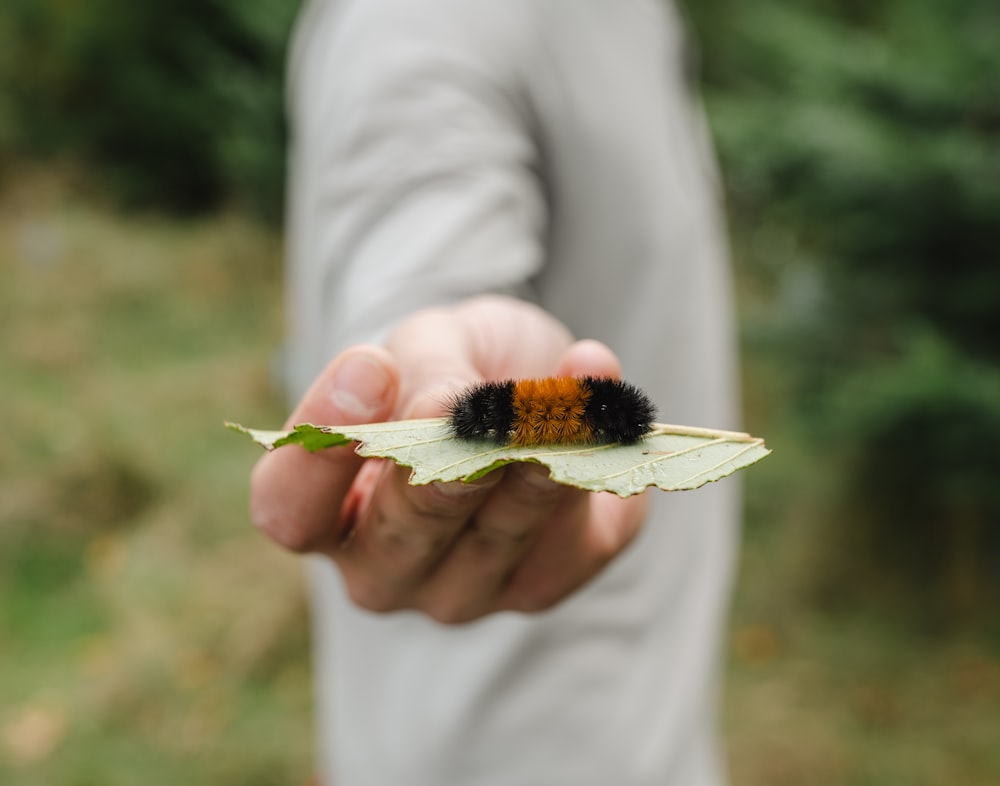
<point>148,635</point>
<point>845,693</point>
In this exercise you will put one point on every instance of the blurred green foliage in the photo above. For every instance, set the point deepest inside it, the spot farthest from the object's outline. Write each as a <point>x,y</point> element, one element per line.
<point>861,156</point>
<point>177,103</point>
<point>861,151</point>
<point>861,148</point>
<point>147,634</point>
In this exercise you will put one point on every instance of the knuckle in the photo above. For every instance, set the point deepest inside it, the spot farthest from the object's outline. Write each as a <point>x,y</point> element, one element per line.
<point>533,484</point>
<point>449,616</point>
<point>271,516</point>
<point>370,596</point>
<point>402,541</point>
<point>455,604</point>
<point>539,591</point>
<point>605,545</point>
<point>453,613</point>
<point>603,551</point>
<point>440,500</point>
<point>292,538</point>
<point>536,603</point>
<point>283,531</point>
<point>489,541</point>
<point>537,597</point>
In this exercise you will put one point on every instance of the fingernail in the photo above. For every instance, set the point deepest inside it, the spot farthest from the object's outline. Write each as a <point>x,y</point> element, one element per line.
<point>359,387</point>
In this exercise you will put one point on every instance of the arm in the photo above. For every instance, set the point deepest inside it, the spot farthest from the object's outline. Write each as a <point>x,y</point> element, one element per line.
<point>419,198</point>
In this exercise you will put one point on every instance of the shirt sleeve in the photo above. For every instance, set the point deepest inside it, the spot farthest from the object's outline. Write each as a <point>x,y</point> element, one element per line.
<point>414,169</point>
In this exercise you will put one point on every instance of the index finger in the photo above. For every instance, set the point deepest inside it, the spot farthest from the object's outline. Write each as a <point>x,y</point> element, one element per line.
<point>296,496</point>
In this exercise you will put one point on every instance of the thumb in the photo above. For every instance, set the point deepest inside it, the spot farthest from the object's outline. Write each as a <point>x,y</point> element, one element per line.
<point>358,386</point>
<point>296,496</point>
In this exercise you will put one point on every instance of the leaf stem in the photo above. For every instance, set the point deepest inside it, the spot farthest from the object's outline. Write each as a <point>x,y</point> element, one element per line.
<point>707,433</point>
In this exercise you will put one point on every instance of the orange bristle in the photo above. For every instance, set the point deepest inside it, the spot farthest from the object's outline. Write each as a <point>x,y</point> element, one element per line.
<point>550,411</point>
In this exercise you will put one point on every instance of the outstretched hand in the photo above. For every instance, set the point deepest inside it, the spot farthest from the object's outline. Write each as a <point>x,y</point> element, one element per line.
<point>513,540</point>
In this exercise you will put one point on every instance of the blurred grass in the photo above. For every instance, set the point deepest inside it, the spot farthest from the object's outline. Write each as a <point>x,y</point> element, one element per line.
<point>148,635</point>
<point>829,680</point>
<point>844,694</point>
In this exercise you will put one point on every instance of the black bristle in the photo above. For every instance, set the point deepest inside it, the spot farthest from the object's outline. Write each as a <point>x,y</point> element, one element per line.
<point>618,411</point>
<point>483,411</point>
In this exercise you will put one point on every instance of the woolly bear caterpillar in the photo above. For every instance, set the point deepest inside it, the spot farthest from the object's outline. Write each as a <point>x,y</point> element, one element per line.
<point>552,411</point>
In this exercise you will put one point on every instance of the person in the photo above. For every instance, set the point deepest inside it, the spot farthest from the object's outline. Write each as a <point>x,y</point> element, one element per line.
<point>486,190</point>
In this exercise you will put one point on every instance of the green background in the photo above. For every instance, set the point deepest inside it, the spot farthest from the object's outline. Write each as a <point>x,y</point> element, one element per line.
<point>147,635</point>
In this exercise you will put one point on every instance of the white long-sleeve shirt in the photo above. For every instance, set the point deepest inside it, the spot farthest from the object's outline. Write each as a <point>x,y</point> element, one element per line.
<point>550,149</point>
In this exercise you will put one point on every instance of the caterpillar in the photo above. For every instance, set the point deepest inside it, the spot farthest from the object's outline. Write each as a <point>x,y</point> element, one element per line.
<point>552,411</point>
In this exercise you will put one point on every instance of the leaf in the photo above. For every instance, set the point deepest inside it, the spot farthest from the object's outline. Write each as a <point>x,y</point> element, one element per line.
<point>673,458</point>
